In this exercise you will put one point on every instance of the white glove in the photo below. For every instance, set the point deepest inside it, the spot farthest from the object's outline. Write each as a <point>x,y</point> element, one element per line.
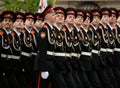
<point>45,74</point>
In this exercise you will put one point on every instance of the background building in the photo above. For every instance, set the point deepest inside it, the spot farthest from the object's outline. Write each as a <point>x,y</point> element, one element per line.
<point>89,4</point>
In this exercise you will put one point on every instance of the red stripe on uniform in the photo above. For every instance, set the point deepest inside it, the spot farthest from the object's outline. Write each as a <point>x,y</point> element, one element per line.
<point>39,79</point>
<point>49,86</point>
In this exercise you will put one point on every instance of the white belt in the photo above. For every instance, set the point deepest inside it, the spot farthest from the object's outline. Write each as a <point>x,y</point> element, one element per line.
<point>117,49</point>
<point>95,51</point>
<point>6,56</point>
<point>50,53</point>
<point>103,49</point>
<point>26,54</point>
<point>15,57</point>
<point>86,53</point>
<point>62,54</point>
<point>109,50</point>
<point>33,53</point>
<point>75,55</point>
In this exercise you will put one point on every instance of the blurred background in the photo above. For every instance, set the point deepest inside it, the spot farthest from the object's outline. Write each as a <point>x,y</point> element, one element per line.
<point>32,5</point>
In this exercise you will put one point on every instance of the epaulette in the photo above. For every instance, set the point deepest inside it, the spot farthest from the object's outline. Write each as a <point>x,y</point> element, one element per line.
<point>23,31</point>
<point>1,32</point>
<point>64,29</point>
<point>32,32</point>
<point>80,30</point>
<point>90,29</point>
<point>72,28</point>
<point>45,26</point>
<point>100,27</point>
<point>115,27</point>
<point>13,34</point>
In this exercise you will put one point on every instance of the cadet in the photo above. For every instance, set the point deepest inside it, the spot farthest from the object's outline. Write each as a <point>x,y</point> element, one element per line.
<point>81,16</point>
<point>86,56</point>
<point>15,62</point>
<point>45,55</point>
<point>26,46</point>
<point>103,31</point>
<point>7,19</point>
<point>59,53</point>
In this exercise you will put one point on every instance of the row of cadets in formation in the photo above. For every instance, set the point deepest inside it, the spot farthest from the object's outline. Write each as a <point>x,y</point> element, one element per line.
<point>74,48</point>
<point>18,47</point>
<point>78,49</point>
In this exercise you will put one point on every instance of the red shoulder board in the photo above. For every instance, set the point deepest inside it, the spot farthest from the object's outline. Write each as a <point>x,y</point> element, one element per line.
<point>80,30</point>
<point>1,32</point>
<point>100,27</point>
<point>64,29</point>
<point>115,27</point>
<point>32,32</point>
<point>13,34</point>
<point>45,26</point>
<point>23,31</point>
<point>72,28</point>
<point>90,29</point>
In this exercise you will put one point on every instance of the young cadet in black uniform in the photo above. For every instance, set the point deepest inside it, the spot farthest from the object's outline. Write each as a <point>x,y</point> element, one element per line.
<point>35,32</point>
<point>111,40</point>
<point>75,48</point>
<point>81,16</point>
<point>103,31</point>
<point>15,62</point>
<point>7,19</point>
<point>26,45</point>
<point>86,56</point>
<point>45,55</point>
<point>59,53</point>
<point>96,41</point>
<point>67,33</point>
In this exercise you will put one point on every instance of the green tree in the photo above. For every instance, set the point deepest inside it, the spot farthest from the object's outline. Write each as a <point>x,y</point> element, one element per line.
<point>23,5</point>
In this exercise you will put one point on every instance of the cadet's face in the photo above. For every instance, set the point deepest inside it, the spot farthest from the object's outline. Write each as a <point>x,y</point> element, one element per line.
<point>38,23</point>
<point>96,20</point>
<point>118,19</point>
<point>19,23</point>
<point>50,17</point>
<point>79,20</point>
<point>87,21</point>
<point>59,18</point>
<point>70,19</point>
<point>29,22</point>
<point>7,23</point>
<point>112,18</point>
<point>105,19</point>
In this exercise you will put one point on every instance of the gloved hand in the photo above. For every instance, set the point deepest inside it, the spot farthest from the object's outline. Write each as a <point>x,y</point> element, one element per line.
<point>45,74</point>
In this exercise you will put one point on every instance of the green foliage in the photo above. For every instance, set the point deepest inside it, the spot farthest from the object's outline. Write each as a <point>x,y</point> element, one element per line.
<point>23,5</point>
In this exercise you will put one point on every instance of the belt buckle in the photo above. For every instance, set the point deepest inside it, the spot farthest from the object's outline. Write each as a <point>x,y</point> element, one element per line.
<point>78,55</point>
<point>53,53</point>
<point>65,54</point>
<point>70,56</point>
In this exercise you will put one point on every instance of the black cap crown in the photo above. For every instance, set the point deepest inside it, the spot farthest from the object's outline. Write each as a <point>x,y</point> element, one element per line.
<point>30,15</point>
<point>38,16</point>
<point>81,12</point>
<point>20,15</point>
<point>96,12</point>
<point>8,14</point>
<point>89,14</point>
<point>47,10</point>
<point>71,11</point>
<point>114,11</point>
<point>105,11</point>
